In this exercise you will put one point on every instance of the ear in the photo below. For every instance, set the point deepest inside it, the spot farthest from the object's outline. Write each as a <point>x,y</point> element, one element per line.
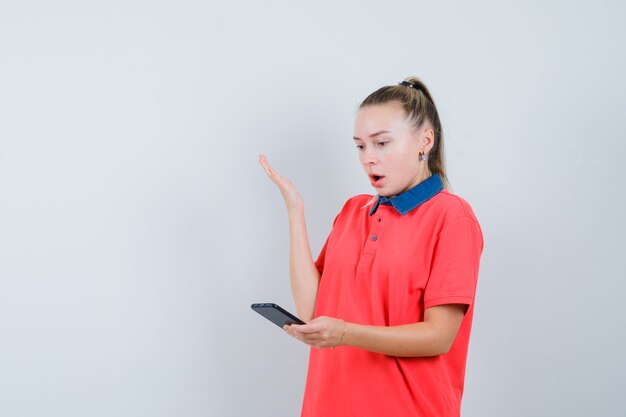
<point>427,139</point>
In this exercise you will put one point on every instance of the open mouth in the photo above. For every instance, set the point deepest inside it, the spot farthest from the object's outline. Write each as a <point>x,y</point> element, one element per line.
<point>376,179</point>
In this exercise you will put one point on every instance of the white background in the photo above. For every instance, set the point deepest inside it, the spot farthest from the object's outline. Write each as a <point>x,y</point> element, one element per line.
<point>136,226</point>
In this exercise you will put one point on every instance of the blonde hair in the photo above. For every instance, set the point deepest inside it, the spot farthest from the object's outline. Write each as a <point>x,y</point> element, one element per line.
<point>419,106</point>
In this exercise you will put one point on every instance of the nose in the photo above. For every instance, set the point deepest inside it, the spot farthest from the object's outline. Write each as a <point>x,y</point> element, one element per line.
<point>368,157</point>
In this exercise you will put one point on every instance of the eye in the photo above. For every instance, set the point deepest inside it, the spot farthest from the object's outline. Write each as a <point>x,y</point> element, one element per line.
<point>360,147</point>
<point>383,143</point>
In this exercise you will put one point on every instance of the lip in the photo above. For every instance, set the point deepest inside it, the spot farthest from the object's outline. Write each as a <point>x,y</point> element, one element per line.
<point>376,180</point>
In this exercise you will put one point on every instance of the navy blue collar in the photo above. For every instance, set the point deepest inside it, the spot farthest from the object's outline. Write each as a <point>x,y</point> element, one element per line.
<point>408,200</point>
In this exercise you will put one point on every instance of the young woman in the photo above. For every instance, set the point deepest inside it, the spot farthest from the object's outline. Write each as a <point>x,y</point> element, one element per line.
<point>389,301</point>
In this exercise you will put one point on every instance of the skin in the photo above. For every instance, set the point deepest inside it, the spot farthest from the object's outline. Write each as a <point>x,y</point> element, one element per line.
<point>389,148</point>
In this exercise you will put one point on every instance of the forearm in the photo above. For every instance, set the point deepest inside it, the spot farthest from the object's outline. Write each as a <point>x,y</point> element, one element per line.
<point>410,340</point>
<point>431,337</point>
<point>303,273</point>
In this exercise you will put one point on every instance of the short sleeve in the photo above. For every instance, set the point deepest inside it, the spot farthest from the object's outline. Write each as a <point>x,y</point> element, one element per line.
<point>454,268</point>
<point>319,263</point>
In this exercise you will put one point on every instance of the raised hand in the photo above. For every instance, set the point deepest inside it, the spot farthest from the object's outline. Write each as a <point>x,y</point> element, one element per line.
<point>292,197</point>
<point>303,273</point>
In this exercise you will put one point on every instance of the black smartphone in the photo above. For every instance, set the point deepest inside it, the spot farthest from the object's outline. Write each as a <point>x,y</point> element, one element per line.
<point>276,314</point>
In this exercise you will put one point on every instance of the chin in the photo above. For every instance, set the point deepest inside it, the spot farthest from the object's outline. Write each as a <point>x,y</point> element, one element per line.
<point>385,193</point>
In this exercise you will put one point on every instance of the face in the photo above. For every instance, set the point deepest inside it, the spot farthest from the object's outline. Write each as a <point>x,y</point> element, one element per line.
<point>389,148</point>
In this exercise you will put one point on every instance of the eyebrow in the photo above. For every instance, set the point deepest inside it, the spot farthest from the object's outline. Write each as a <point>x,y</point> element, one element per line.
<point>373,135</point>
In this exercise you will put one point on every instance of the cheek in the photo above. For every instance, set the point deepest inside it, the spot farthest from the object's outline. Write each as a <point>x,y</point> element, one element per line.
<point>398,159</point>
<point>406,162</point>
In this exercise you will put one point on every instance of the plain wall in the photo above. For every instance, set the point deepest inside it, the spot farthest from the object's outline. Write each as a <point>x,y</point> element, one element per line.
<point>136,226</point>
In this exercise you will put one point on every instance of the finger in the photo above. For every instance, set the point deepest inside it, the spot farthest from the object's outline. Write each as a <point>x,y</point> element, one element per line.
<point>264,162</point>
<point>289,329</point>
<point>307,329</point>
<point>299,337</point>
<point>269,170</point>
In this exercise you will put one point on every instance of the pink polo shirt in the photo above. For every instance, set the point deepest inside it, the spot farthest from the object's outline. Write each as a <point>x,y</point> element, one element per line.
<point>386,269</point>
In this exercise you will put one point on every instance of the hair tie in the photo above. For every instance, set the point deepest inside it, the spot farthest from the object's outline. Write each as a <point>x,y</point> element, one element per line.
<point>409,84</point>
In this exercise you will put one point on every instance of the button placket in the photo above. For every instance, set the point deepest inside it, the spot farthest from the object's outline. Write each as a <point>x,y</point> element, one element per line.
<point>371,243</point>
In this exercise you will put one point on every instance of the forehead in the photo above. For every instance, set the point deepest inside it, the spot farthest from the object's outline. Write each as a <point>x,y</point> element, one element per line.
<point>370,119</point>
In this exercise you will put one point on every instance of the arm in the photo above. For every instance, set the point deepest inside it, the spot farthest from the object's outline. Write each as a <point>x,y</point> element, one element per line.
<point>303,273</point>
<point>434,336</point>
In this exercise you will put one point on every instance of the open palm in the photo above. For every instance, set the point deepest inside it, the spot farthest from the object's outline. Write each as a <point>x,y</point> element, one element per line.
<point>290,194</point>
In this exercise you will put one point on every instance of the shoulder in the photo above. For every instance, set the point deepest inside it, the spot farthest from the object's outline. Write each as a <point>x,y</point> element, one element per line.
<point>359,201</point>
<point>456,222</point>
<point>450,212</point>
<point>355,206</point>
<point>451,205</point>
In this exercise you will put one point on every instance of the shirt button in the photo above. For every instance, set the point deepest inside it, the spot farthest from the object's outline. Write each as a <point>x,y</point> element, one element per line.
<point>374,238</point>
<point>379,219</point>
